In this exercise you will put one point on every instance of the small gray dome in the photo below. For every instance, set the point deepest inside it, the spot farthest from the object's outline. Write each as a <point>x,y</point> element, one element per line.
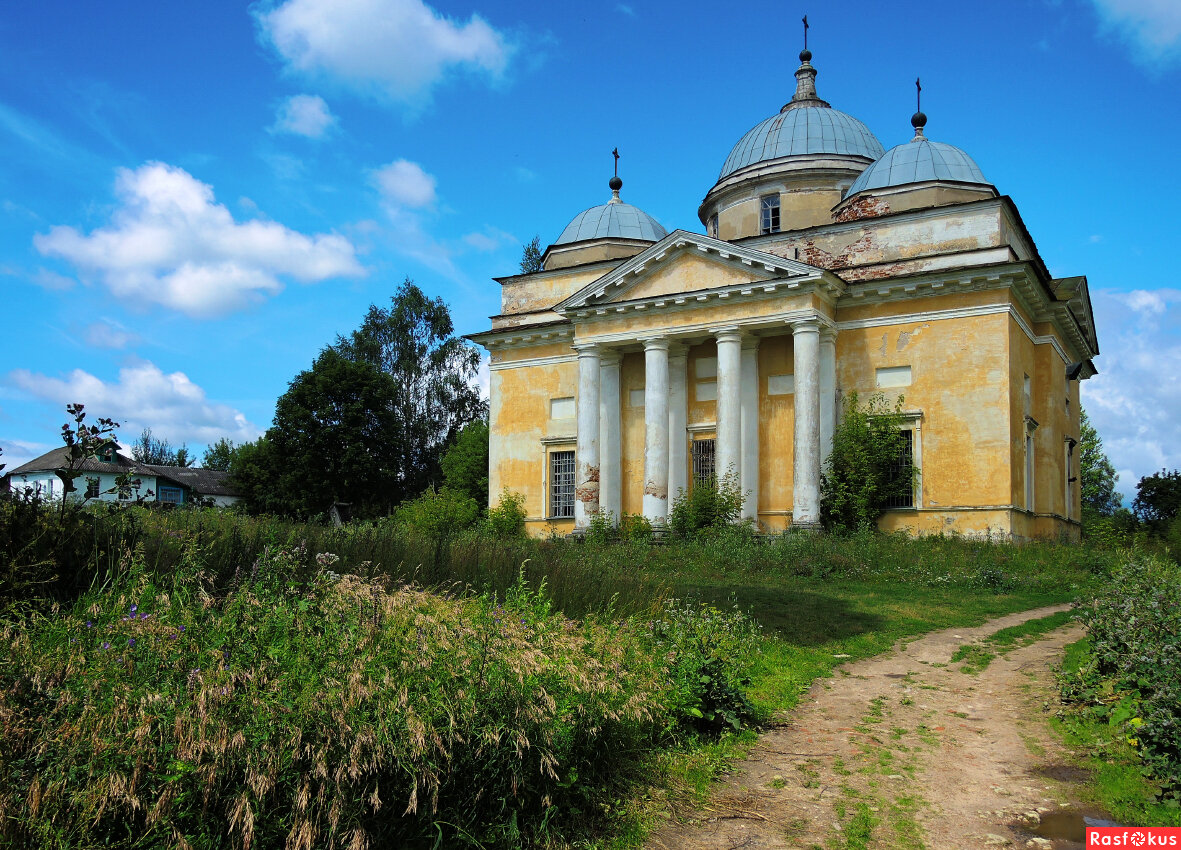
<point>612,219</point>
<point>919,161</point>
<point>803,130</point>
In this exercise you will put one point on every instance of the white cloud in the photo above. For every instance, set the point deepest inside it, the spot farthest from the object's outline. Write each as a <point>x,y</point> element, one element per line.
<point>170,243</point>
<point>108,334</point>
<point>405,183</point>
<point>53,281</point>
<point>304,115</point>
<point>1135,400</point>
<point>402,48</point>
<point>1152,28</point>
<point>171,405</point>
<point>490,239</point>
<point>19,452</point>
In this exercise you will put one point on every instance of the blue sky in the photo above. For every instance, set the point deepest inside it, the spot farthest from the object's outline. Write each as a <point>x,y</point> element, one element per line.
<point>195,198</point>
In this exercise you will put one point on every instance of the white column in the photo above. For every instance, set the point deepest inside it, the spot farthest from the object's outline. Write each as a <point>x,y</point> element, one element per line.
<point>728,450</point>
<point>610,458</point>
<point>586,481</point>
<point>678,420</point>
<point>828,390</point>
<point>656,430</point>
<point>750,428</point>
<point>806,473</point>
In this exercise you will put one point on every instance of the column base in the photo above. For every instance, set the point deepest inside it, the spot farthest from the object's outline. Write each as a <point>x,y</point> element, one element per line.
<point>806,527</point>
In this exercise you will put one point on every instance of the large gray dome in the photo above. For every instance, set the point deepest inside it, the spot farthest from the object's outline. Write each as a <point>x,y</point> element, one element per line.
<point>919,161</point>
<point>612,219</point>
<point>803,130</point>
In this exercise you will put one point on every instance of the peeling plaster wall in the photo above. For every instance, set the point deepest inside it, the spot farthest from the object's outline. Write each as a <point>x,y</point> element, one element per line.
<point>542,291</point>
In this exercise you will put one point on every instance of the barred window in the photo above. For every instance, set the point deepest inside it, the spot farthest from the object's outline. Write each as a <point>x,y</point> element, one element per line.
<point>904,462</point>
<point>561,493</point>
<point>770,213</point>
<point>91,488</point>
<point>703,461</point>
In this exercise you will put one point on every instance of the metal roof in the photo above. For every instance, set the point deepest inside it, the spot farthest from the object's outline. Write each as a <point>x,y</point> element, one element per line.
<point>918,161</point>
<point>613,219</point>
<point>803,130</point>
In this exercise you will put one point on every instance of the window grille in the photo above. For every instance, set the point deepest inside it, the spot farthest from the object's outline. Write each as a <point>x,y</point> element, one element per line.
<point>91,488</point>
<point>703,461</point>
<point>561,498</point>
<point>770,214</point>
<point>904,462</point>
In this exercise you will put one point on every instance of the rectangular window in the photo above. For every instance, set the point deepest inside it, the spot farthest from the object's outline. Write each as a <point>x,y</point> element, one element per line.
<point>1070,479</point>
<point>713,226</point>
<point>91,488</point>
<point>904,462</point>
<point>1030,427</point>
<point>561,491</point>
<point>703,461</point>
<point>171,495</point>
<point>770,204</point>
<point>124,492</point>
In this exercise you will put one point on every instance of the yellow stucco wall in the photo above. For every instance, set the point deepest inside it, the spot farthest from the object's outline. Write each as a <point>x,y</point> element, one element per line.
<point>966,392</point>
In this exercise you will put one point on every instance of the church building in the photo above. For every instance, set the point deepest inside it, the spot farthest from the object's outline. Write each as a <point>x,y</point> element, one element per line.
<point>637,361</point>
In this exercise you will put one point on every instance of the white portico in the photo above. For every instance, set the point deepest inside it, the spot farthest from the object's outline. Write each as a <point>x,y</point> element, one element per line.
<point>692,293</point>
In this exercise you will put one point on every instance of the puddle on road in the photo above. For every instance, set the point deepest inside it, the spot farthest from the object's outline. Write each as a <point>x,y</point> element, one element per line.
<point>1065,827</point>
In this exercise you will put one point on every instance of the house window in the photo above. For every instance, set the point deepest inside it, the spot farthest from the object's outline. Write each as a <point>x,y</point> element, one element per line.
<point>124,491</point>
<point>91,488</point>
<point>1030,427</point>
<point>770,204</point>
<point>171,495</point>
<point>703,461</point>
<point>561,491</point>
<point>903,463</point>
<point>107,455</point>
<point>1070,479</point>
<point>713,226</point>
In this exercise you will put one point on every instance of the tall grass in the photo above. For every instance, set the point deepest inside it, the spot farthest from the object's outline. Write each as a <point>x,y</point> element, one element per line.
<point>340,711</point>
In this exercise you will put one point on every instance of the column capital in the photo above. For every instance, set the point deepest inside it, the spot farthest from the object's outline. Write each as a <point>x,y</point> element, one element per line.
<point>655,343</point>
<point>587,349</point>
<point>750,342</point>
<point>805,326</point>
<point>677,349</point>
<point>610,357</point>
<point>828,333</point>
<point>729,333</point>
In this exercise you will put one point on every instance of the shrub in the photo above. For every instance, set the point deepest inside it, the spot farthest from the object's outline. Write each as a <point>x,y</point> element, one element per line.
<point>506,521</point>
<point>866,467</point>
<point>1133,675</point>
<point>438,513</point>
<point>707,651</point>
<point>707,508</point>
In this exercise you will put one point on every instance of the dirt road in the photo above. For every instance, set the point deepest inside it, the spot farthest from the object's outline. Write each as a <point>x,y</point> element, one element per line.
<point>905,750</point>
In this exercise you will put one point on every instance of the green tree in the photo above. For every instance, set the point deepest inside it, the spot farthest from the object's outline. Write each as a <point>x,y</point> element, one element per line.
<point>254,471</point>
<point>334,439</point>
<point>148,449</point>
<point>465,463</point>
<point>868,465</point>
<point>219,455</point>
<point>432,387</point>
<point>1158,499</point>
<point>531,255</point>
<point>1096,473</point>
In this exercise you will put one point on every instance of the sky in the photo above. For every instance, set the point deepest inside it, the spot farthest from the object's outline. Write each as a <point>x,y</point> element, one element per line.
<point>196,198</point>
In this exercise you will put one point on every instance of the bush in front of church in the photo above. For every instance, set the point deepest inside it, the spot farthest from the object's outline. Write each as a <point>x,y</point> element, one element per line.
<point>709,508</point>
<point>869,465</point>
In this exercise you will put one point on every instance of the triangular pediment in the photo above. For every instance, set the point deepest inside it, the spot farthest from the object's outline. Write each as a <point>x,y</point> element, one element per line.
<point>685,263</point>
